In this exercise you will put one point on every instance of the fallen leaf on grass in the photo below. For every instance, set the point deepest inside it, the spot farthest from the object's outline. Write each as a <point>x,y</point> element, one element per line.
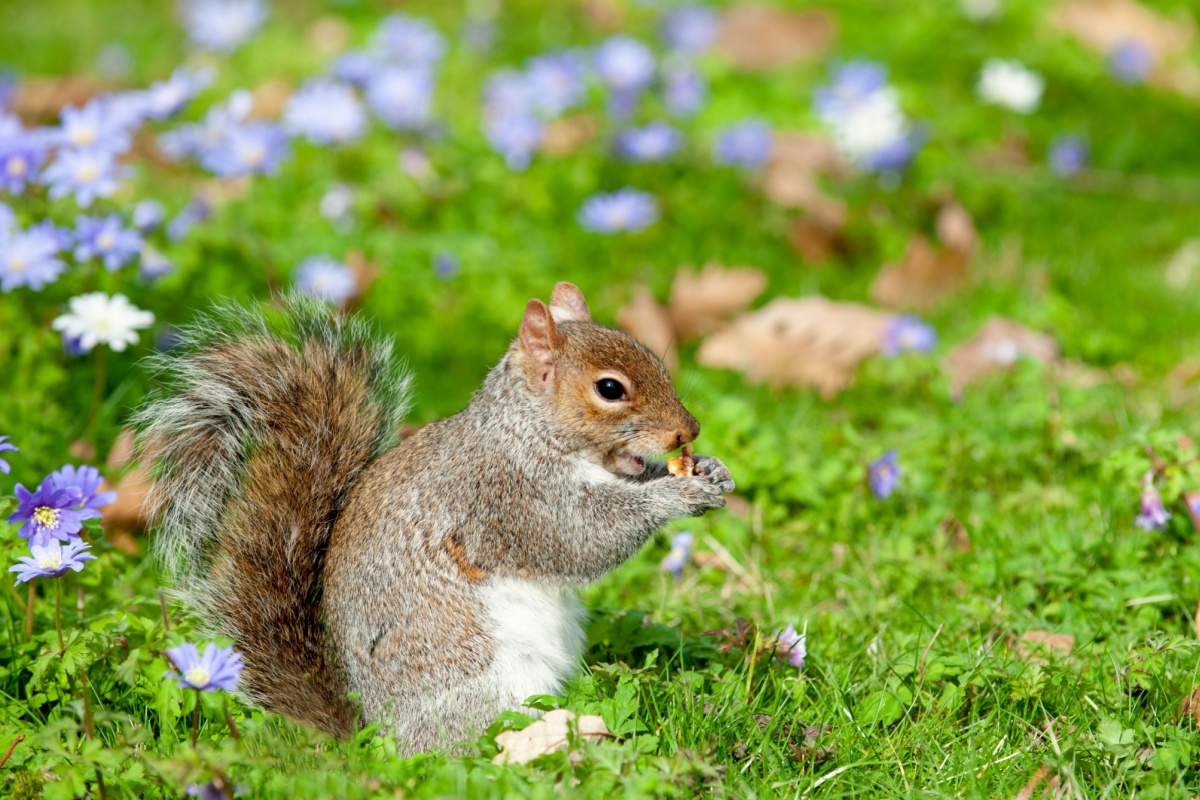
<point>329,36</point>
<point>791,174</point>
<point>1106,24</point>
<point>82,450</point>
<point>605,15</point>
<point>759,37</point>
<point>810,341</point>
<point>647,320</point>
<point>701,301</point>
<point>998,345</point>
<point>1190,707</point>
<point>548,734</point>
<point>41,99</point>
<point>270,98</point>
<point>365,272</point>
<point>928,274</point>
<point>1032,646</point>
<point>1183,265</point>
<point>565,136</point>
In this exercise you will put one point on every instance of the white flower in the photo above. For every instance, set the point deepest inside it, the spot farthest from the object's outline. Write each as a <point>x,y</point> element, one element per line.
<point>870,126</point>
<point>97,318</point>
<point>1008,83</point>
<point>981,10</point>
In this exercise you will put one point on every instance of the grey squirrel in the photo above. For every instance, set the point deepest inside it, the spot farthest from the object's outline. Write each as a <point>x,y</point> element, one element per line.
<point>432,578</point>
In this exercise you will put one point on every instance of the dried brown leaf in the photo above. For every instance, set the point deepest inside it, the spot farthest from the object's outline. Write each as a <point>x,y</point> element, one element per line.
<point>1190,707</point>
<point>329,35</point>
<point>701,302</point>
<point>1032,784</point>
<point>82,450</point>
<point>1105,24</point>
<point>129,511</point>
<point>566,135</point>
<point>365,272</point>
<point>1183,267</point>
<point>1033,646</point>
<point>270,98</point>
<point>814,240</point>
<point>791,175</point>
<point>646,320</point>
<point>956,230</point>
<point>548,734</point>
<point>924,277</point>
<point>995,348</point>
<point>760,37</point>
<point>810,341</point>
<point>41,99</point>
<point>219,191</point>
<point>605,15</point>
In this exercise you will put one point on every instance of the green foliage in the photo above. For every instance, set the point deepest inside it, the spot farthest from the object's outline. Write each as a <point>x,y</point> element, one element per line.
<point>1014,512</point>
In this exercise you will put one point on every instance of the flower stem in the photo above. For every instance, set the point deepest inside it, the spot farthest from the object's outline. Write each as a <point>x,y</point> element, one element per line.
<point>58,616</point>
<point>29,612</point>
<point>97,390</point>
<point>233,729</point>
<point>87,704</point>
<point>196,720</point>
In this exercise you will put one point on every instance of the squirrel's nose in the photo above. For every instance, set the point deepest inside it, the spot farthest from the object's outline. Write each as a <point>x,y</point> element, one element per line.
<point>688,433</point>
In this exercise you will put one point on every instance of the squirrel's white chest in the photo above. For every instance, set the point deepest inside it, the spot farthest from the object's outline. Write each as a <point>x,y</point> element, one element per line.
<point>538,634</point>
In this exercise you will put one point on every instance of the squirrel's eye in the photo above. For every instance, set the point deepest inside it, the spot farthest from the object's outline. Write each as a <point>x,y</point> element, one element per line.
<point>610,389</point>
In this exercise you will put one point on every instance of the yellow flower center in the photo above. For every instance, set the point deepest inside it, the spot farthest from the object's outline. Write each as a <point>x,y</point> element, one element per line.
<point>17,167</point>
<point>46,516</point>
<point>106,241</point>
<point>82,137</point>
<point>17,264</point>
<point>253,155</point>
<point>197,676</point>
<point>87,173</point>
<point>50,560</point>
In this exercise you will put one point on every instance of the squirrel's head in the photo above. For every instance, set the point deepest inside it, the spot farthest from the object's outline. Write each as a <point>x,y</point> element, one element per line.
<point>601,383</point>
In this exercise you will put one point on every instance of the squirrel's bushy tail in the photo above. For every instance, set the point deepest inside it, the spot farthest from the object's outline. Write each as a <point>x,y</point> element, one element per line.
<point>269,419</point>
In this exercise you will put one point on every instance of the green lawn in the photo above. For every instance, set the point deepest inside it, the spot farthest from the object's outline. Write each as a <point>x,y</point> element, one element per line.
<point>1015,508</point>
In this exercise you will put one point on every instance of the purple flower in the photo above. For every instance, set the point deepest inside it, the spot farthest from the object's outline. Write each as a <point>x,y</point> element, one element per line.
<point>852,83</point>
<point>790,645</point>
<point>167,98</point>
<point>746,144</point>
<point>148,215</point>
<point>92,127</point>
<point>401,96</point>
<point>197,138</point>
<point>479,33</point>
<point>336,204</point>
<point>21,155</point>
<point>907,334</point>
<point>52,560</point>
<point>445,266</point>
<point>408,40</point>
<point>615,212</point>
<point>884,474</point>
<point>63,238</point>
<point>50,513</point>
<point>326,279</point>
<point>690,28</point>
<point>218,668</point>
<point>28,258</point>
<point>153,265</point>
<point>1130,61</point>
<point>555,81</point>
<point>624,64</point>
<point>325,113</point>
<point>655,142</point>
<point>195,212</point>
<point>865,117</point>
<point>356,67</point>
<point>216,789</point>
<point>87,480</point>
<point>7,447</point>
<point>1068,154</point>
<point>8,219</point>
<point>516,137</point>
<point>108,239</point>
<point>87,174</point>
<point>1152,516</point>
<point>508,92</point>
<point>684,89</point>
<point>248,148</point>
<point>679,555</point>
<point>8,86</point>
<point>222,25</point>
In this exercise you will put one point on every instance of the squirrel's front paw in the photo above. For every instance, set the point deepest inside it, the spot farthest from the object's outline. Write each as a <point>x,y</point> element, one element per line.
<point>715,472</point>
<point>692,495</point>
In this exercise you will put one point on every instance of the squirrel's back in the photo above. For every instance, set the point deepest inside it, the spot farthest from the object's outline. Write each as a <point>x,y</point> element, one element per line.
<point>269,420</point>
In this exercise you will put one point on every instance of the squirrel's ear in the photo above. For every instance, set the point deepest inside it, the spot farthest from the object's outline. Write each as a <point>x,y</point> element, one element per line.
<point>567,304</point>
<point>539,339</point>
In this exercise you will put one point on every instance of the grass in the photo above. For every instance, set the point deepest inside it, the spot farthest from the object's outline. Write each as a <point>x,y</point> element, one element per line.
<point>1014,513</point>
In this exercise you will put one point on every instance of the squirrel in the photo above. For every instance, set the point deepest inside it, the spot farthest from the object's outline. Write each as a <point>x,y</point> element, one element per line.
<point>426,584</point>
